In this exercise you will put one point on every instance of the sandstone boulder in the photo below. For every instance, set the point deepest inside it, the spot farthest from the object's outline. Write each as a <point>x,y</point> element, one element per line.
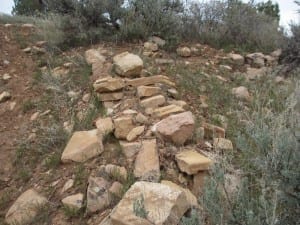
<point>127,64</point>
<point>150,81</point>
<point>163,205</point>
<point>93,56</point>
<point>236,59</point>
<point>105,125</point>
<point>135,132</point>
<point>212,131</point>
<point>223,144</point>
<point>241,93</point>
<point>256,59</point>
<point>164,111</point>
<point>25,208</point>
<point>191,162</point>
<point>83,146</point>
<point>176,128</point>
<point>113,96</point>
<point>130,149</point>
<point>150,46</point>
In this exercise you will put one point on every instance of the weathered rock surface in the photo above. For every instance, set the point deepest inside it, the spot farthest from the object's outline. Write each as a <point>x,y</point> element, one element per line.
<point>97,194</point>
<point>176,128</point>
<point>83,146</point>
<point>256,59</point>
<point>127,64</point>
<point>191,162</point>
<point>114,96</point>
<point>192,200</point>
<point>147,162</point>
<point>25,208</point>
<point>212,131</point>
<point>150,46</point>
<point>146,91</point>
<point>149,81</point>
<point>135,132</point>
<point>172,205</point>
<point>153,102</point>
<point>108,84</point>
<point>164,111</point>
<point>130,149</point>
<point>73,201</point>
<point>105,125</point>
<point>123,125</point>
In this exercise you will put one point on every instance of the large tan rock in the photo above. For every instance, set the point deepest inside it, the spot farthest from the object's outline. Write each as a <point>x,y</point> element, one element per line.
<point>114,96</point>
<point>73,201</point>
<point>192,200</point>
<point>191,162</point>
<point>164,205</point>
<point>25,208</point>
<point>123,125</point>
<point>108,84</point>
<point>167,110</point>
<point>153,102</point>
<point>150,81</point>
<point>256,59</point>
<point>146,91</point>
<point>105,125</point>
<point>147,162</point>
<point>176,128</point>
<point>184,51</point>
<point>93,56</point>
<point>135,132</point>
<point>179,103</point>
<point>127,64</point>
<point>83,146</point>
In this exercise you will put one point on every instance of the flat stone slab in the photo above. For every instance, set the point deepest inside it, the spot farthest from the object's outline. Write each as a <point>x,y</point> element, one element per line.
<point>191,162</point>
<point>83,146</point>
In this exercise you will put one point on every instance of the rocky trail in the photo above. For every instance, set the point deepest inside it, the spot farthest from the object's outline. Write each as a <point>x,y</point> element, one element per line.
<point>143,160</point>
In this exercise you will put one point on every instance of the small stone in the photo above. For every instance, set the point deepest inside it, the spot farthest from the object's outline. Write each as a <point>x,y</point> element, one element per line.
<point>27,50</point>
<point>146,91</point>
<point>165,111</point>
<point>116,189</point>
<point>86,97</point>
<point>147,162</point>
<point>140,118</point>
<point>157,40</point>
<point>225,67</point>
<point>150,81</point>
<point>105,125</point>
<point>279,80</point>
<point>73,201</point>
<point>153,102</point>
<point>135,132</point>
<point>4,96</point>
<point>12,106</point>
<point>223,144</point>
<point>35,116</point>
<point>6,77</point>
<point>179,103</point>
<point>108,84</point>
<point>184,51</point>
<point>110,96</point>
<point>130,149</point>
<point>123,125</point>
<point>69,184</point>
<point>237,59</point>
<point>93,56</point>
<point>97,194</point>
<point>24,210</point>
<point>173,93</point>
<point>73,94</point>
<point>191,162</point>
